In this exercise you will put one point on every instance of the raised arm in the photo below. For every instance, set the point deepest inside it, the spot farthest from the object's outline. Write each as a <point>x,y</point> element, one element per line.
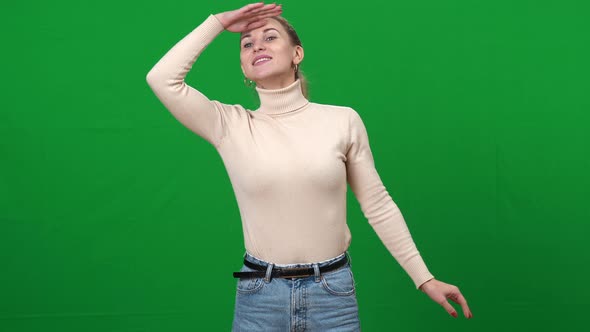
<point>189,106</point>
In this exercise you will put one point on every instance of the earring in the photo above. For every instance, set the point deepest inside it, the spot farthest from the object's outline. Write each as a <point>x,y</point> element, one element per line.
<point>249,83</point>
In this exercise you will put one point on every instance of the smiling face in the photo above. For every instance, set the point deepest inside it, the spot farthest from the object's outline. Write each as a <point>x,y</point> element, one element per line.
<point>267,55</point>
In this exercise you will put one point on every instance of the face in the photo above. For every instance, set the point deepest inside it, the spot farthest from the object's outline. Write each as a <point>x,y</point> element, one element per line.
<point>271,41</point>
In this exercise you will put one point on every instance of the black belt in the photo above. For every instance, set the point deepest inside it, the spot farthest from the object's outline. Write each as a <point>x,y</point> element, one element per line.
<point>285,272</point>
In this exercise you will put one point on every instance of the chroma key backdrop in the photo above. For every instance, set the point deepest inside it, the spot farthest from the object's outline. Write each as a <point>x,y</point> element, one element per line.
<point>116,218</point>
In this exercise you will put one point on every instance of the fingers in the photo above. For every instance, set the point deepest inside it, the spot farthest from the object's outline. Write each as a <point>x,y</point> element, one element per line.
<point>260,18</point>
<point>267,15</point>
<point>266,11</point>
<point>252,6</point>
<point>257,8</point>
<point>449,308</point>
<point>457,297</point>
<point>440,292</point>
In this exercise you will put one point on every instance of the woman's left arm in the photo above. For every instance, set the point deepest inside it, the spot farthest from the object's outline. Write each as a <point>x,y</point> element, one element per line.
<point>387,220</point>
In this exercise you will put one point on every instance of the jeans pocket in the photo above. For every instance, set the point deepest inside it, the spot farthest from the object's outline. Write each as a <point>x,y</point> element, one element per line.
<point>339,282</point>
<point>249,285</point>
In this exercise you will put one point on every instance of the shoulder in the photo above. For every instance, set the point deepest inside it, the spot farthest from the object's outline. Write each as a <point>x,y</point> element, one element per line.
<point>339,110</point>
<point>231,110</point>
<point>347,116</point>
<point>331,107</point>
<point>227,106</point>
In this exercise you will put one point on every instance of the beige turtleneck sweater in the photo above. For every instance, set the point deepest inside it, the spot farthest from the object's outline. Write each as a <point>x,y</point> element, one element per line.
<point>289,163</point>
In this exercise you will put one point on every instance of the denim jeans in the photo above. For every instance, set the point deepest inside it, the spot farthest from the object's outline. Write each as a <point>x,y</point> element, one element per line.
<point>322,302</point>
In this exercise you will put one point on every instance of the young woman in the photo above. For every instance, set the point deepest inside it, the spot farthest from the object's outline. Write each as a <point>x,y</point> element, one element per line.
<point>289,163</point>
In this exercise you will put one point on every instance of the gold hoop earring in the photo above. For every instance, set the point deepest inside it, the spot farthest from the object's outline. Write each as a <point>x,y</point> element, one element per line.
<point>249,83</point>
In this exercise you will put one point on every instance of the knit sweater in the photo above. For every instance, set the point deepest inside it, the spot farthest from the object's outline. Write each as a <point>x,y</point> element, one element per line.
<point>289,162</point>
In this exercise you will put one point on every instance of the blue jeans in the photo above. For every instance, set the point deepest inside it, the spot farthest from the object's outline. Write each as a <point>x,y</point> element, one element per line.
<point>323,302</point>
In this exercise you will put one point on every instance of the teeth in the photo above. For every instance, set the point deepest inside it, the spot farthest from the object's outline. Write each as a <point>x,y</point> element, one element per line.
<point>261,59</point>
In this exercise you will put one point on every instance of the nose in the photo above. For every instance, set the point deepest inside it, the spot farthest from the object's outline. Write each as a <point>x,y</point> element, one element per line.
<point>258,46</point>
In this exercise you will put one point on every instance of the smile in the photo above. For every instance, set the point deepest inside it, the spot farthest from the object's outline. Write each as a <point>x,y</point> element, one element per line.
<point>261,60</point>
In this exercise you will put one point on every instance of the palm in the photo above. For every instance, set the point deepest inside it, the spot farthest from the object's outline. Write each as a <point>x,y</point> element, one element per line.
<point>249,17</point>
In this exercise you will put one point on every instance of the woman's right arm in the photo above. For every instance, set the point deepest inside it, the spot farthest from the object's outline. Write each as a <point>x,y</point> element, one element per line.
<point>194,110</point>
<point>189,106</point>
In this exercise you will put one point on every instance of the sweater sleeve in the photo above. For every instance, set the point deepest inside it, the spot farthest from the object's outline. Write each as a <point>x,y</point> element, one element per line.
<point>206,118</point>
<point>377,205</point>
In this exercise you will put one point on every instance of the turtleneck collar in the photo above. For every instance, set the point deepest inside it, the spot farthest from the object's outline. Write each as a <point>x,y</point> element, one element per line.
<point>283,100</point>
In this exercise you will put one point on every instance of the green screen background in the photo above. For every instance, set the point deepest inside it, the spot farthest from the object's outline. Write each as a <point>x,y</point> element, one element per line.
<point>114,217</point>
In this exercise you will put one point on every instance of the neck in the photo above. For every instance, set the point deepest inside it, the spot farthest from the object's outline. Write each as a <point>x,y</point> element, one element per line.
<point>283,100</point>
<point>277,83</point>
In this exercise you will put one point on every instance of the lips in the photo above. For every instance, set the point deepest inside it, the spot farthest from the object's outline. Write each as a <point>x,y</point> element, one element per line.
<point>262,56</point>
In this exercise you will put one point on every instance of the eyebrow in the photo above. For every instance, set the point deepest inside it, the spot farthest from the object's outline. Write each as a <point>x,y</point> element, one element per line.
<point>265,30</point>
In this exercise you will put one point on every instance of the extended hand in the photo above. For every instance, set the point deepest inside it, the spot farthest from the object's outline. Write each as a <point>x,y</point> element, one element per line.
<point>440,291</point>
<point>249,17</point>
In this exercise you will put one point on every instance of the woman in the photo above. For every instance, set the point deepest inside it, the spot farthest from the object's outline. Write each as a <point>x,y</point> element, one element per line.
<point>289,163</point>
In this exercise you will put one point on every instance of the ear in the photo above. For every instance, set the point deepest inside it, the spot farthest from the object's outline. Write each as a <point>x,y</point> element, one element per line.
<point>299,54</point>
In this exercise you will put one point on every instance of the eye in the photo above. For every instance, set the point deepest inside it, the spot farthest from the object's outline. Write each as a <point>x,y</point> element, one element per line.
<point>246,45</point>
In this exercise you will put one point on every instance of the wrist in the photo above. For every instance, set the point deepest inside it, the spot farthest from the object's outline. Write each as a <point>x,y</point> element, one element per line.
<point>221,19</point>
<point>425,284</point>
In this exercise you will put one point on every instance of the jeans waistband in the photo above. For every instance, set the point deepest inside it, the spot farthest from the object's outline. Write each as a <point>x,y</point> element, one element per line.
<point>251,258</point>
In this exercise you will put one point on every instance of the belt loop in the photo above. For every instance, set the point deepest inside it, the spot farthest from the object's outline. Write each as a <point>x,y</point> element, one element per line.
<point>316,270</point>
<point>268,272</point>
<point>349,260</point>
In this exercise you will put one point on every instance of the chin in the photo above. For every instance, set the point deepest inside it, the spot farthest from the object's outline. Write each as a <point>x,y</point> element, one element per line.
<point>265,76</point>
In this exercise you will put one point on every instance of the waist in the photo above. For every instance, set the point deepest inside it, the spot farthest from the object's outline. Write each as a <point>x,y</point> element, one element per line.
<point>253,259</point>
